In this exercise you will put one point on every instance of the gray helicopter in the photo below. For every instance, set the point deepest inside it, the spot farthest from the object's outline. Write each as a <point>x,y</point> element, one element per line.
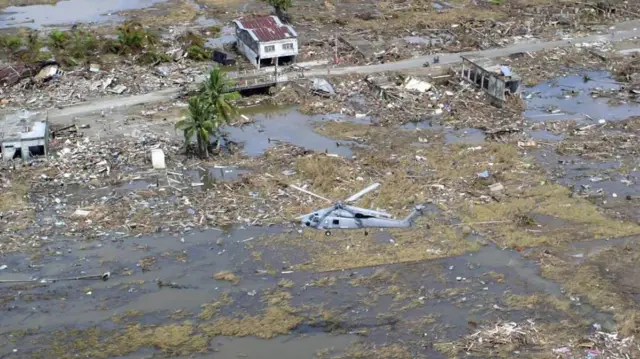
<point>343,216</point>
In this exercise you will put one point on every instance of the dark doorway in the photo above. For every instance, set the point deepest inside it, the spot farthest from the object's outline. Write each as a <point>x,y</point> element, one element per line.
<point>286,60</point>
<point>267,62</point>
<point>36,150</point>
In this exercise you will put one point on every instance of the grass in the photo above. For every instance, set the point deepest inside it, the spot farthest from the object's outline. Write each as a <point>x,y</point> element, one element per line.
<point>351,249</point>
<point>273,321</point>
<point>211,309</point>
<point>450,349</point>
<point>324,282</point>
<point>286,283</point>
<point>14,197</point>
<point>536,301</point>
<point>126,316</point>
<point>584,221</point>
<point>172,340</point>
<point>180,339</point>
<point>165,14</point>
<point>604,280</point>
<point>227,276</point>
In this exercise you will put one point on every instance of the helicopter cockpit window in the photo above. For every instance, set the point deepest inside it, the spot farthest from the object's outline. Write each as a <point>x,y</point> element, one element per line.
<point>336,221</point>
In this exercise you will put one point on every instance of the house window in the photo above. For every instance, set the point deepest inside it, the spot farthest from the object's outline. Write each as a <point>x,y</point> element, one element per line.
<point>287,46</point>
<point>270,48</point>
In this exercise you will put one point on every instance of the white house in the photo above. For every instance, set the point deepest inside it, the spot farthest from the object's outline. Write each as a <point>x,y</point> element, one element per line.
<point>266,41</point>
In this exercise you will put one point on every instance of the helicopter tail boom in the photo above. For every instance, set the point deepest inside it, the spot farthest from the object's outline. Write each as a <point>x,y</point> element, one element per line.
<point>418,211</point>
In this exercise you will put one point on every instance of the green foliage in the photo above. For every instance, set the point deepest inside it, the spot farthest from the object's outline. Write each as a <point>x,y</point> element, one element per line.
<point>198,53</point>
<point>280,5</point>
<point>132,38</point>
<point>11,42</point>
<point>215,91</point>
<point>32,52</point>
<point>25,48</point>
<point>193,39</point>
<point>214,30</point>
<point>195,45</point>
<point>208,111</point>
<point>151,57</point>
<point>72,47</point>
<point>58,39</point>
<point>200,122</point>
<point>82,44</point>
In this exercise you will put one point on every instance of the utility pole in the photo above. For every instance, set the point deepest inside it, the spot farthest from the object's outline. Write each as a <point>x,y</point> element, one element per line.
<point>335,56</point>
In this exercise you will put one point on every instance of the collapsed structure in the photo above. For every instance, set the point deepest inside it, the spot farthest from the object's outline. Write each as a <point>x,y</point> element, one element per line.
<point>23,135</point>
<point>266,41</point>
<point>497,81</point>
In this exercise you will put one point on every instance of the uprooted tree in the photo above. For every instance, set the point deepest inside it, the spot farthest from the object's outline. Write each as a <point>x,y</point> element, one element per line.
<point>281,7</point>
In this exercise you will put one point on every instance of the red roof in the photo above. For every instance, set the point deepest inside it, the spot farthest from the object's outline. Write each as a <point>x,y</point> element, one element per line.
<point>267,28</point>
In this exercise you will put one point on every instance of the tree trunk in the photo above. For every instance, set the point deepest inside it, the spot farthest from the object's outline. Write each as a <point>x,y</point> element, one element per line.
<point>200,151</point>
<point>281,14</point>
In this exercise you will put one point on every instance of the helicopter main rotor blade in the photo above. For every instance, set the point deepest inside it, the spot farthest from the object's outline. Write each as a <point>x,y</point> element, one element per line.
<point>310,193</point>
<point>357,196</point>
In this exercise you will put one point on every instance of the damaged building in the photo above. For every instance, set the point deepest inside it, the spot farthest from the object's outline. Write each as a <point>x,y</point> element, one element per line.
<point>496,80</point>
<point>24,135</point>
<point>266,41</point>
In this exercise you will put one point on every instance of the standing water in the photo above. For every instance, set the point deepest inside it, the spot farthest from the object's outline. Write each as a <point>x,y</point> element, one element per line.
<point>68,12</point>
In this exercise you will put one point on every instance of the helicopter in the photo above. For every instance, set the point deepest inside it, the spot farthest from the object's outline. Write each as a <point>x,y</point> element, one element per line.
<point>341,215</point>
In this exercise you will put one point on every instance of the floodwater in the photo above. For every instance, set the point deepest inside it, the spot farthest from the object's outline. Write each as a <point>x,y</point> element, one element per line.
<point>290,126</point>
<point>571,98</point>
<point>454,290</point>
<point>69,12</point>
<point>470,136</point>
<point>286,347</point>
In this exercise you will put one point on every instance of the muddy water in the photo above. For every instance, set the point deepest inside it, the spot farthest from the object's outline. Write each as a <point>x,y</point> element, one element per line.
<point>455,290</point>
<point>291,126</point>
<point>69,12</point>
<point>470,136</point>
<point>608,176</point>
<point>571,97</point>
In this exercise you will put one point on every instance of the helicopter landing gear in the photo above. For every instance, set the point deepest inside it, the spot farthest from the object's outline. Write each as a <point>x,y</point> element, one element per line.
<point>366,233</point>
<point>327,233</point>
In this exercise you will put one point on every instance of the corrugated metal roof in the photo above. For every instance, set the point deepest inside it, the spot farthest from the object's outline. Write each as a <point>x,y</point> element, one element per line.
<point>267,28</point>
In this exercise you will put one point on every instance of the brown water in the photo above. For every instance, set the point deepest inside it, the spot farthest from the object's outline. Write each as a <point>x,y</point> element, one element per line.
<point>69,12</point>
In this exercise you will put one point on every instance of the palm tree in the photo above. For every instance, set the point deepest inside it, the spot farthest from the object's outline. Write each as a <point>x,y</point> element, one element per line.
<point>215,92</point>
<point>200,121</point>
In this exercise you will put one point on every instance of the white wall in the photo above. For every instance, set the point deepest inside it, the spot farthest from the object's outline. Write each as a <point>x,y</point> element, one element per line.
<point>247,52</point>
<point>279,51</point>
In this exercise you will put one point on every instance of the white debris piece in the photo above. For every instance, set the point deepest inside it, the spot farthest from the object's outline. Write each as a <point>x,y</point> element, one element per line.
<point>81,213</point>
<point>496,187</point>
<point>157,158</point>
<point>413,84</point>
